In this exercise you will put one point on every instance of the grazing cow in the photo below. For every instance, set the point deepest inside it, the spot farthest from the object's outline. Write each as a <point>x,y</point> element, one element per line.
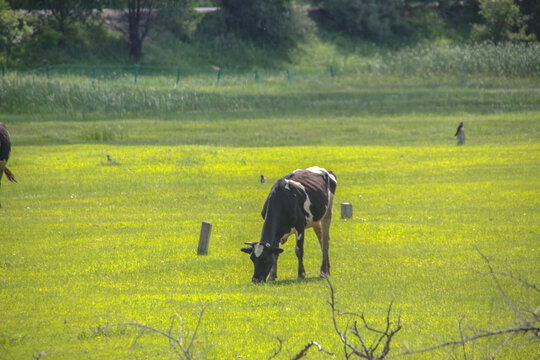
<point>299,200</point>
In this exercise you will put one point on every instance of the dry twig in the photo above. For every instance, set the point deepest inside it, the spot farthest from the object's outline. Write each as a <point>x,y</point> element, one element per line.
<point>367,351</point>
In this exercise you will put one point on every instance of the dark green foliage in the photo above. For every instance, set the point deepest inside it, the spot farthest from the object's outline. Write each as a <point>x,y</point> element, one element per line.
<point>83,43</point>
<point>503,21</point>
<point>179,18</point>
<point>375,20</point>
<point>66,12</point>
<point>269,23</point>
<point>13,31</point>
<point>531,15</point>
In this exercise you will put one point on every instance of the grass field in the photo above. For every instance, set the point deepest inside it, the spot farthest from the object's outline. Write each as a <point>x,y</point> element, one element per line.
<point>86,243</point>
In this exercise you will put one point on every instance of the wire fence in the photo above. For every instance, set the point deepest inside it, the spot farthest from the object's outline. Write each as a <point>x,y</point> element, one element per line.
<point>422,61</point>
<point>175,73</point>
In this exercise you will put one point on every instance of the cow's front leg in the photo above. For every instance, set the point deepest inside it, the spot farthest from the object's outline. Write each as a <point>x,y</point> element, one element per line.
<point>300,254</point>
<point>273,271</point>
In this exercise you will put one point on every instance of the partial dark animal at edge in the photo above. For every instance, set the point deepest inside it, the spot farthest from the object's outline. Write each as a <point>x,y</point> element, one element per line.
<point>5,150</point>
<point>297,201</point>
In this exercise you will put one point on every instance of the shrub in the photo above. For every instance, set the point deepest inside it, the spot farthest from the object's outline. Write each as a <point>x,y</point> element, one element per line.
<point>268,23</point>
<point>503,21</point>
<point>375,20</point>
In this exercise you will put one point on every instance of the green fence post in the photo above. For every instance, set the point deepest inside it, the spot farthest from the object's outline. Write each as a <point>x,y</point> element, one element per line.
<point>331,71</point>
<point>288,74</point>
<point>93,75</point>
<point>48,71</point>
<point>3,70</point>
<point>136,72</point>
<point>218,75</point>
<point>178,74</point>
<point>256,72</point>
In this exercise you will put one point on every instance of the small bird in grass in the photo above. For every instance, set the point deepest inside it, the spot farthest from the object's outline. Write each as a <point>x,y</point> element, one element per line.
<point>460,133</point>
<point>459,128</point>
<point>263,179</point>
<point>109,159</point>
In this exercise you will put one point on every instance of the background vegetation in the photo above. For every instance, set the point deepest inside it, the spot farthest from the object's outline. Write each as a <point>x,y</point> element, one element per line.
<point>244,34</point>
<point>86,243</point>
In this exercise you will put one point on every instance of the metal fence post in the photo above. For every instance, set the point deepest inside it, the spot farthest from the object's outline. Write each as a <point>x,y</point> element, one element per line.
<point>218,75</point>
<point>331,71</point>
<point>3,70</point>
<point>178,74</point>
<point>93,75</point>
<point>48,71</point>
<point>256,72</point>
<point>288,74</point>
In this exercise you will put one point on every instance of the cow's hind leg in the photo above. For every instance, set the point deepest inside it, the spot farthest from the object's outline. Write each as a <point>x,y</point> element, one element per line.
<point>319,231</point>
<point>322,229</point>
<point>325,267</point>
<point>300,254</point>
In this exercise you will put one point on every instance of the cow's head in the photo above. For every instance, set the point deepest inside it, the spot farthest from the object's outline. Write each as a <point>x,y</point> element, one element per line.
<point>262,255</point>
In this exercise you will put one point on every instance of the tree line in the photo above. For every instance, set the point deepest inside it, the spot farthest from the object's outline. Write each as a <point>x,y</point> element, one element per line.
<point>271,23</point>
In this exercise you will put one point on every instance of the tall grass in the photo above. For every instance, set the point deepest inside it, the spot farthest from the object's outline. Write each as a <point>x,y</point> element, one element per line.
<point>408,82</point>
<point>432,59</point>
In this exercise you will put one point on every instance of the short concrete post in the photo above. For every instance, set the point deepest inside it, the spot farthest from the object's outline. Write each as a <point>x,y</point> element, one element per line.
<point>204,239</point>
<point>461,137</point>
<point>346,210</point>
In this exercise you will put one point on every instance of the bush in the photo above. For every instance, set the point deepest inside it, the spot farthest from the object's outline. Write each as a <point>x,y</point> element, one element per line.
<point>268,23</point>
<point>179,18</point>
<point>375,20</point>
<point>503,21</point>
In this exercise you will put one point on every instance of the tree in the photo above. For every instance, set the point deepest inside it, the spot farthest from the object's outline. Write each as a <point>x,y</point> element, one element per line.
<point>139,16</point>
<point>142,14</point>
<point>267,22</point>
<point>64,12</point>
<point>531,12</point>
<point>375,20</point>
<point>503,21</point>
<point>13,30</point>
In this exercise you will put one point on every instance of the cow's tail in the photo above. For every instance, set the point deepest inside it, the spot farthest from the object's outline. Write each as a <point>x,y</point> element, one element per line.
<point>9,175</point>
<point>332,181</point>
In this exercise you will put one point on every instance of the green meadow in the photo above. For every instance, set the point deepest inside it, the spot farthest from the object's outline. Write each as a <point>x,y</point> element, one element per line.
<point>86,244</point>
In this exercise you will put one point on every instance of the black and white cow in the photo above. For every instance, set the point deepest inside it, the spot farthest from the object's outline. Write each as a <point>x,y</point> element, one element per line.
<point>297,201</point>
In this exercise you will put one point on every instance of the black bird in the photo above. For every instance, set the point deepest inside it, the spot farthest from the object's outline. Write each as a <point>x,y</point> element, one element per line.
<point>109,159</point>
<point>5,149</point>
<point>263,179</point>
<point>459,128</point>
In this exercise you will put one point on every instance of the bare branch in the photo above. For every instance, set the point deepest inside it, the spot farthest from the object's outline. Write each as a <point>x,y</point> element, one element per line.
<point>514,330</point>
<point>499,287</point>
<point>502,345</point>
<point>366,352</point>
<point>309,346</point>
<point>278,350</point>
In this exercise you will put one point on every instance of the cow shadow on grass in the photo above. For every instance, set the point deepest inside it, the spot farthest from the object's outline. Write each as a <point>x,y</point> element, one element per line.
<point>287,282</point>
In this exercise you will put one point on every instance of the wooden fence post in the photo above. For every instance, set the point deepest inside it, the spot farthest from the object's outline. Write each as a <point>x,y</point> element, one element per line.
<point>346,210</point>
<point>204,239</point>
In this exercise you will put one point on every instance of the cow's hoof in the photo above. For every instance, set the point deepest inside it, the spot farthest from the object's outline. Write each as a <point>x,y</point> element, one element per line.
<point>302,275</point>
<point>272,277</point>
<point>324,274</point>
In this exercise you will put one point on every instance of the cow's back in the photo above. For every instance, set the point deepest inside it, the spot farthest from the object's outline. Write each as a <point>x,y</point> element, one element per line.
<point>319,185</point>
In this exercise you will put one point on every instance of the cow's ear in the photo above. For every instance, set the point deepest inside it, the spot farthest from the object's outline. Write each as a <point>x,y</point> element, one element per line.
<point>276,250</point>
<point>247,250</point>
